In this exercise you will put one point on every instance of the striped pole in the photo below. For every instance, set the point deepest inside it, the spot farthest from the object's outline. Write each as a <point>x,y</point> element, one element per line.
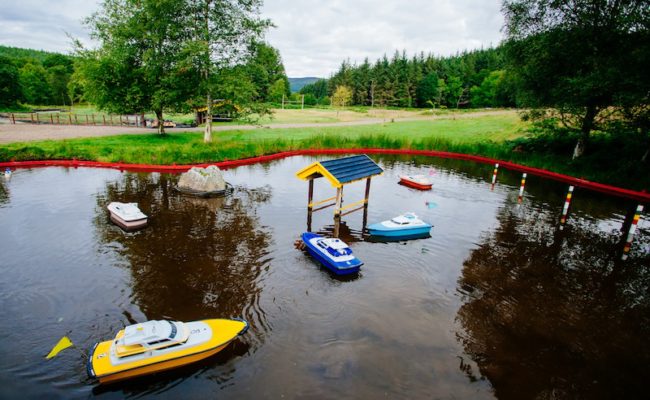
<point>494,175</point>
<point>565,210</point>
<point>630,233</point>
<point>521,188</point>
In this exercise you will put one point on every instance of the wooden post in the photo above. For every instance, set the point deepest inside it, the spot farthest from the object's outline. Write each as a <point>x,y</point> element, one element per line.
<point>310,195</point>
<point>13,119</point>
<point>58,119</point>
<point>70,118</point>
<point>93,117</point>
<point>32,116</point>
<point>87,119</point>
<point>51,119</point>
<point>339,201</point>
<point>120,119</point>
<point>104,118</point>
<point>367,192</point>
<point>76,120</point>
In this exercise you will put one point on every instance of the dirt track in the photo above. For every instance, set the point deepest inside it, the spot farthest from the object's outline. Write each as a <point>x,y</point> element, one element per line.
<point>24,132</point>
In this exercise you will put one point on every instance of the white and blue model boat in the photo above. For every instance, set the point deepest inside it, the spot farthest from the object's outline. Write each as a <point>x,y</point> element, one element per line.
<point>333,253</point>
<point>405,226</point>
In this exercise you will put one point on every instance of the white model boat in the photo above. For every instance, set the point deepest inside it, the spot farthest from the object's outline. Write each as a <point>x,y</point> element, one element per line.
<point>407,225</point>
<point>127,215</point>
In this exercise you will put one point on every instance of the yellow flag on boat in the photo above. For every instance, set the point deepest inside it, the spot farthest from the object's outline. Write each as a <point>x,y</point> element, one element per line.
<point>63,344</point>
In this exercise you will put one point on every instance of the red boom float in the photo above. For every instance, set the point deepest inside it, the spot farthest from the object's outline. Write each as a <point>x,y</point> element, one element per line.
<point>613,190</point>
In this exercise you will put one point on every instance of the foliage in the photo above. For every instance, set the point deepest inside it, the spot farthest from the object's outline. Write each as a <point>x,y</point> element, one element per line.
<point>419,81</point>
<point>317,89</point>
<point>342,96</point>
<point>10,90</point>
<point>33,81</point>
<point>144,61</point>
<point>265,69</point>
<point>580,57</point>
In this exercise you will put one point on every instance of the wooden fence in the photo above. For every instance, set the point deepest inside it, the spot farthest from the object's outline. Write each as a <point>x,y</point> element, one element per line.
<point>58,118</point>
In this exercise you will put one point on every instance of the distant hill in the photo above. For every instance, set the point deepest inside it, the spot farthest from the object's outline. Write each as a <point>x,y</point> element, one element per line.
<point>297,83</point>
<point>19,53</point>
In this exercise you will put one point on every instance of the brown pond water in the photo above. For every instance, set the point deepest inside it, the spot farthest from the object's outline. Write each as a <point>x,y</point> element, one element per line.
<point>497,303</point>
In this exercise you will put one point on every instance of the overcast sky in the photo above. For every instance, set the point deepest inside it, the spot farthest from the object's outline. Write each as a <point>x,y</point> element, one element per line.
<point>313,36</point>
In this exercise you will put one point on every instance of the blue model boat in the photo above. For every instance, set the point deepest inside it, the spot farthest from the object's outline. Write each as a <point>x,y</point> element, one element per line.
<point>405,226</point>
<point>333,253</point>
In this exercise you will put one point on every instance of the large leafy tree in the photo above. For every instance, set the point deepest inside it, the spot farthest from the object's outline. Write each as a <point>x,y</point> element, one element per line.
<point>579,57</point>
<point>144,61</point>
<point>10,90</point>
<point>222,33</point>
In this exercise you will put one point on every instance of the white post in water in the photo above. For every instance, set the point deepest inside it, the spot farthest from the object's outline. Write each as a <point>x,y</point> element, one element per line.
<point>494,175</point>
<point>521,189</point>
<point>630,233</point>
<point>565,210</point>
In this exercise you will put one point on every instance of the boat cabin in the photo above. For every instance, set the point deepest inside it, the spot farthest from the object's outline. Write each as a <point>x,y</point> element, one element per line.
<point>150,335</point>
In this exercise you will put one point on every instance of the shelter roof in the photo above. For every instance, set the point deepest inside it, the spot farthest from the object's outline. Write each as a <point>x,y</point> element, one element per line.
<point>342,171</point>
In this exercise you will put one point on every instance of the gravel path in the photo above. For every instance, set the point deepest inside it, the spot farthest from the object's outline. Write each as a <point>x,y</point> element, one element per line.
<point>24,132</point>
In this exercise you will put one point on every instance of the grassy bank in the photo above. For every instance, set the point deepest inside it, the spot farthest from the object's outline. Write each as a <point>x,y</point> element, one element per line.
<point>496,136</point>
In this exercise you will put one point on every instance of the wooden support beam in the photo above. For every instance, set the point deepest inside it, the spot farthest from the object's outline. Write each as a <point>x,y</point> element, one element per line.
<point>339,201</point>
<point>310,194</point>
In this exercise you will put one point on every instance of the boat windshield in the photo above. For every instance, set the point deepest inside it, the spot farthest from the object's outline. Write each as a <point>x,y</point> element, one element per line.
<point>336,252</point>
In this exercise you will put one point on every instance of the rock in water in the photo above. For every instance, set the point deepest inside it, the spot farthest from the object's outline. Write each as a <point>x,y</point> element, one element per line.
<point>202,180</point>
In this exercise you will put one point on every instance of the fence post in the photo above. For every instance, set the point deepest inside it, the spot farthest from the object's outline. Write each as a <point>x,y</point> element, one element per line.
<point>51,119</point>
<point>13,119</point>
<point>31,115</point>
<point>76,120</point>
<point>120,119</point>
<point>58,119</point>
<point>104,118</point>
<point>93,117</point>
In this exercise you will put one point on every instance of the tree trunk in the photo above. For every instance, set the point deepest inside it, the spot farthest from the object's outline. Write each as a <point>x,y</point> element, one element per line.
<point>161,122</point>
<point>207,136</point>
<point>587,126</point>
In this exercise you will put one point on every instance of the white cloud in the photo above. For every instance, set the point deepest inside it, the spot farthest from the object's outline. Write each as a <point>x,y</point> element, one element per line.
<point>313,36</point>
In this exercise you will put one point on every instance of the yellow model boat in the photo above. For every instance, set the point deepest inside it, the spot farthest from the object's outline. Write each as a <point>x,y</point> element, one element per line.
<point>155,346</point>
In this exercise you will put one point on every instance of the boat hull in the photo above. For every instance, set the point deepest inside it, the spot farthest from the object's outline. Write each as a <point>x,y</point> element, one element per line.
<point>415,185</point>
<point>336,268</point>
<point>103,367</point>
<point>395,233</point>
<point>129,225</point>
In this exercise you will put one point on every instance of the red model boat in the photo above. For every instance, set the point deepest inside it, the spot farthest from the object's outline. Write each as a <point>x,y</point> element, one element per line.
<point>416,181</point>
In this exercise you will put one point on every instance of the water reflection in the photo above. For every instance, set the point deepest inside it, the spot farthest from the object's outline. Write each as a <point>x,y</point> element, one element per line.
<point>555,314</point>
<point>198,258</point>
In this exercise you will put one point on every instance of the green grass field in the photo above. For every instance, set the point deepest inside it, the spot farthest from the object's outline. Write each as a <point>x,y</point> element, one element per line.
<point>486,135</point>
<point>184,148</point>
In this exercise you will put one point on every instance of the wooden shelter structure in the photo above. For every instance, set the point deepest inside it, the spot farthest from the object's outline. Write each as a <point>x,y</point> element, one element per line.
<point>339,172</point>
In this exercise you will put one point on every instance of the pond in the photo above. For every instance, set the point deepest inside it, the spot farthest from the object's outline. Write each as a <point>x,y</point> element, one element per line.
<point>499,302</point>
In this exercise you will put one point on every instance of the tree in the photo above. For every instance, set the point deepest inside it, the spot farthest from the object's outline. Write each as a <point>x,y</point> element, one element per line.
<point>221,33</point>
<point>58,78</point>
<point>33,80</point>
<point>277,90</point>
<point>580,57</point>
<point>10,90</point>
<point>342,96</point>
<point>144,61</point>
